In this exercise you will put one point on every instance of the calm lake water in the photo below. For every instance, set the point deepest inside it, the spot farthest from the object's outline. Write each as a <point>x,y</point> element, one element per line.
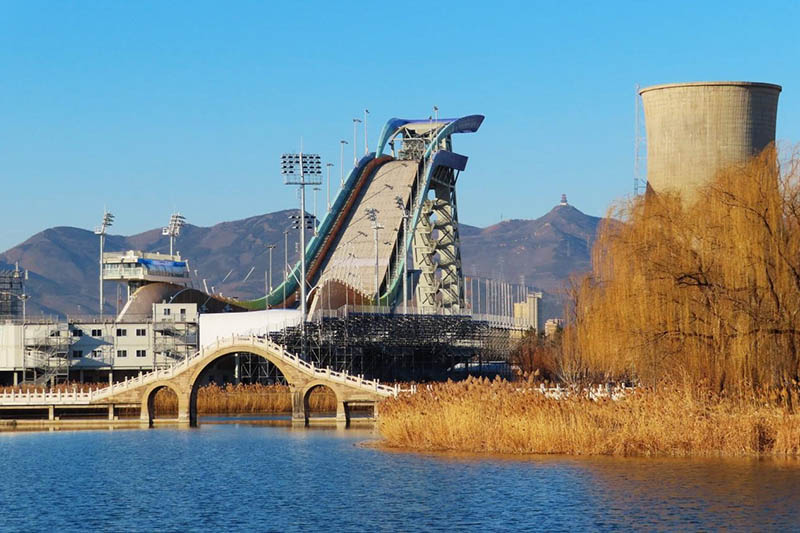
<point>255,476</point>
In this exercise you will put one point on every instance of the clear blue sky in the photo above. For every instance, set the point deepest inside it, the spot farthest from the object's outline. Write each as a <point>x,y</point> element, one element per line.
<point>147,107</point>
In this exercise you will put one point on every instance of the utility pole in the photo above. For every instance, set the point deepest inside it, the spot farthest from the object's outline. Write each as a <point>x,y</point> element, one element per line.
<point>372,215</point>
<point>108,220</point>
<point>341,162</point>
<point>268,285</point>
<point>356,122</point>
<point>366,142</point>
<point>302,170</point>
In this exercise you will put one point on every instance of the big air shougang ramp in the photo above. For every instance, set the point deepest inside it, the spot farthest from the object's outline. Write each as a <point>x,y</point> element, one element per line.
<point>418,178</point>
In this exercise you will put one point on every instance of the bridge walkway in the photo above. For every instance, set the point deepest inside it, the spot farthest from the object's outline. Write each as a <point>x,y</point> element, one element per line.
<point>183,379</point>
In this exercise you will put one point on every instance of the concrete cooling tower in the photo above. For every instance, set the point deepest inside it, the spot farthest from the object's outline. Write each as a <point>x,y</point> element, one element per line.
<point>696,129</point>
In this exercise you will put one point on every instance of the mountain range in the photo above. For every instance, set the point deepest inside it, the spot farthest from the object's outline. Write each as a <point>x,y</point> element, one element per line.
<point>63,261</point>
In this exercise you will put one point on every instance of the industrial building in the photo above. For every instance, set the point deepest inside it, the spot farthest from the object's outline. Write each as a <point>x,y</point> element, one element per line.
<point>696,129</point>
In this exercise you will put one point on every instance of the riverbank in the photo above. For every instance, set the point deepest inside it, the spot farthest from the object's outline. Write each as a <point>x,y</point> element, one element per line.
<point>514,418</point>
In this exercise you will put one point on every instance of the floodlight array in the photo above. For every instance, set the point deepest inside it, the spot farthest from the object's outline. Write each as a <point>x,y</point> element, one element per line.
<point>176,222</point>
<point>302,165</point>
<point>107,222</point>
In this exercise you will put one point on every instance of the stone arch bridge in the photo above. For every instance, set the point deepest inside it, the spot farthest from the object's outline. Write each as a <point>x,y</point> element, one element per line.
<point>183,379</point>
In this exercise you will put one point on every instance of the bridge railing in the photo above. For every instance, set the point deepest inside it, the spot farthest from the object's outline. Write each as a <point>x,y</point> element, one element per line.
<point>37,397</point>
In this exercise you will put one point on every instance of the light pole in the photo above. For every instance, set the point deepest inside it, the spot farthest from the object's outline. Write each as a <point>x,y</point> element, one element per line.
<point>372,215</point>
<point>268,285</point>
<point>402,206</point>
<point>316,190</point>
<point>366,142</point>
<point>285,263</point>
<point>329,165</point>
<point>173,229</point>
<point>341,163</point>
<point>302,170</point>
<point>108,220</point>
<point>356,122</point>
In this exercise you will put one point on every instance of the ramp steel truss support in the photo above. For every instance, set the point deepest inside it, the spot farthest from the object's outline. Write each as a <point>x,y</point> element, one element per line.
<point>437,248</point>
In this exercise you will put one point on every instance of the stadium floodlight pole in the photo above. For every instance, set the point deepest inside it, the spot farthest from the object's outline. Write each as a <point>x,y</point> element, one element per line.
<point>173,229</point>
<point>268,285</point>
<point>341,163</point>
<point>302,170</point>
<point>366,142</point>
<point>108,220</point>
<point>372,215</point>
<point>406,215</point>
<point>436,113</point>
<point>329,165</point>
<point>356,122</point>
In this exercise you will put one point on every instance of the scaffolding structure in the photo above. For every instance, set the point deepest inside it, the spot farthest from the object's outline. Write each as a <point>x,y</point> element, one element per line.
<point>174,340</point>
<point>46,357</point>
<point>11,294</point>
<point>398,347</point>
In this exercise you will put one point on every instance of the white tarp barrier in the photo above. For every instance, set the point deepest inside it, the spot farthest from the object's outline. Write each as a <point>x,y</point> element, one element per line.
<point>11,346</point>
<point>215,326</point>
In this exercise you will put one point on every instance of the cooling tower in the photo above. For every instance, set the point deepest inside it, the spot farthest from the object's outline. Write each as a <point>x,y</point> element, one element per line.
<point>696,129</point>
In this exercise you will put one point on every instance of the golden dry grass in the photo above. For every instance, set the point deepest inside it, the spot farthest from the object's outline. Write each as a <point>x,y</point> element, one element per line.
<point>506,417</point>
<point>213,399</point>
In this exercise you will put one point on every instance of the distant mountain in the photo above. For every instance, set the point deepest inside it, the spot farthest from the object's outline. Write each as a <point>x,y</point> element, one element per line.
<point>543,252</point>
<point>63,261</point>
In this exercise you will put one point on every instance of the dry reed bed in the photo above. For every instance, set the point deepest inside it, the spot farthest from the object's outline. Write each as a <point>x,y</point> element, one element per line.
<point>505,417</point>
<point>213,399</point>
<point>243,399</point>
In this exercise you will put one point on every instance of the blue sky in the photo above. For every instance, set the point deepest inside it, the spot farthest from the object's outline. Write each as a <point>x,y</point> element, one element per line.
<point>149,107</point>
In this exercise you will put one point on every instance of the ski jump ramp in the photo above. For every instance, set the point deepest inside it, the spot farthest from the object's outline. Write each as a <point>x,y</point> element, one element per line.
<point>393,207</point>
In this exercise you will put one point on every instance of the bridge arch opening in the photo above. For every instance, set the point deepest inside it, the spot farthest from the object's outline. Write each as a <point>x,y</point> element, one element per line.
<point>162,401</point>
<point>230,370</point>
<point>320,400</point>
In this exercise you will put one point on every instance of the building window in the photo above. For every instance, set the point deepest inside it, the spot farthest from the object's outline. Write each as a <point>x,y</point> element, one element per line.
<point>55,333</point>
<point>77,354</point>
<point>166,311</point>
<point>183,311</point>
<point>141,332</point>
<point>122,353</point>
<point>97,333</point>
<point>96,353</point>
<point>77,333</point>
<point>141,353</point>
<point>122,332</point>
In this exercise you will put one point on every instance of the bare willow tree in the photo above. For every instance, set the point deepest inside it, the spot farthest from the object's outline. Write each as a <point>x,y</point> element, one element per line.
<point>707,291</point>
